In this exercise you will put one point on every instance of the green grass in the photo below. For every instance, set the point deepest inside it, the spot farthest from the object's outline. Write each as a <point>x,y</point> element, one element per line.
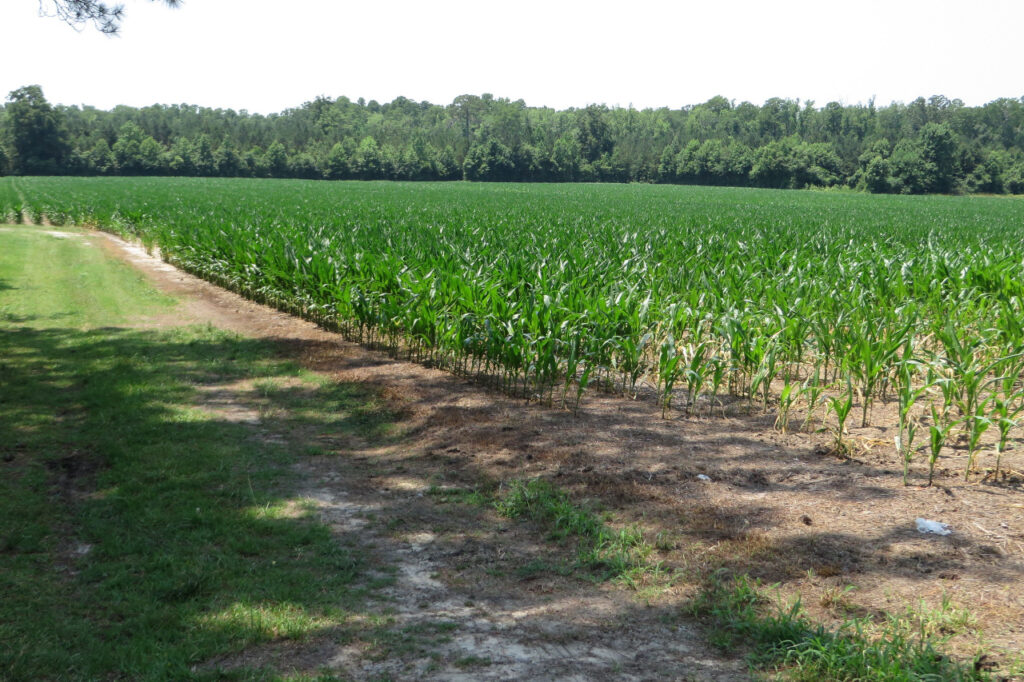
<point>48,281</point>
<point>780,639</point>
<point>318,399</point>
<point>140,535</point>
<point>603,552</point>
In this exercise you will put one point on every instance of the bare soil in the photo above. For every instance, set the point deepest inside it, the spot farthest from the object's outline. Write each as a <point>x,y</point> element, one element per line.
<point>840,531</point>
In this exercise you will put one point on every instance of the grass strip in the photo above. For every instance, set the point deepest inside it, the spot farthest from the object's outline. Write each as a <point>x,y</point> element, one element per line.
<point>602,551</point>
<point>143,534</point>
<point>783,640</point>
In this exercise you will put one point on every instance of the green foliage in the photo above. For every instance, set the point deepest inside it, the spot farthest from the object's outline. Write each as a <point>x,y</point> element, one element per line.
<point>545,291</point>
<point>937,149</point>
<point>277,159</point>
<point>606,552</point>
<point>925,163</point>
<point>774,164</point>
<point>368,162</point>
<point>490,160</point>
<point>226,160</point>
<point>337,163</point>
<point>934,145</point>
<point>782,639</point>
<point>201,156</point>
<point>135,153</point>
<point>38,137</point>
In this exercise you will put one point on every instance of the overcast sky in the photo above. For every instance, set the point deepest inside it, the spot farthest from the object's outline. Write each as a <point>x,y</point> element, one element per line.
<point>268,55</point>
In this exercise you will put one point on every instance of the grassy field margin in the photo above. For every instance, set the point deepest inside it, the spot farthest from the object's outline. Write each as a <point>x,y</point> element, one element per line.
<point>142,535</point>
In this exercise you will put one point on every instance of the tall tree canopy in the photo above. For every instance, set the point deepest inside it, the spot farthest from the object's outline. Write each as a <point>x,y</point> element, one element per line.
<point>36,132</point>
<point>928,145</point>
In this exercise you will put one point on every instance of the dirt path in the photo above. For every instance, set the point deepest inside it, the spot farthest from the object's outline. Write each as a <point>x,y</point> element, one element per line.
<point>461,605</point>
<point>502,628</point>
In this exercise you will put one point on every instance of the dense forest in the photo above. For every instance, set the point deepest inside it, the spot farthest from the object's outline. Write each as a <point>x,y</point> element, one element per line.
<point>929,145</point>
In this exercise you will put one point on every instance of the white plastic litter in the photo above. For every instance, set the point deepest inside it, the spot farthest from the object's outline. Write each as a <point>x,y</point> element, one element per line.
<point>702,477</point>
<point>936,527</point>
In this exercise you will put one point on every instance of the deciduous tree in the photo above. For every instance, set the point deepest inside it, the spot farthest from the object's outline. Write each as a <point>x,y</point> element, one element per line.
<point>37,134</point>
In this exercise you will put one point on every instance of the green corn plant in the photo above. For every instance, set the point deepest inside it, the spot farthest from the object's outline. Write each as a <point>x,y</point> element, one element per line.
<point>719,367</point>
<point>978,426</point>
<point>823,328</point>
<point>907,394</point>
<point>696,372</point>
<point>841,406</point>
<point>581,384</point>
<point>736,337</point>
<point>908,391</point>
<point>767,356</point>
<point>970,376</point>
<point>573,360</point>
<point>786,399</point>
<point>937,377</point>
<point>938,432</point>
<point>1005,421</point>
<point>811,390</point>
<point>668,372</point>
<point>632,360</point>
<point>973,409</point>
<point>474,280</point>
<point>871,354</point>
<point>1007,403</point>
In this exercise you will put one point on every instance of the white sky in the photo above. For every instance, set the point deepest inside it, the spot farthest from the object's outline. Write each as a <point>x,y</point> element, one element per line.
<point>269,55</point>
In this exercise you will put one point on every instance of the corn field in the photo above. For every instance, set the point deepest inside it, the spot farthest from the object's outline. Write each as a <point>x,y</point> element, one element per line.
<point>824,303</point>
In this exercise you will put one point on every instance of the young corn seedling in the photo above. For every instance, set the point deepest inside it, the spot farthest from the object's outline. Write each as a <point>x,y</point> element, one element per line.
<point>786,400</point>
<point>812,389</point>
<point>938,378</point>
<point>1006,406</point>
<point>938,432</point>
<point>573,360</point>
<point>978,426</point>
<point>841,406</point>
<point>971,380</point>
<point>736,335</point>
<point>581,385</point>
<point>871,356</point>
<point>973,409</point>
<point>907,395</point>
<point>719,367</point>
<point>668,372</point>
<point>1005,421</point>
<point>696,372</point>
<point>765,371</point>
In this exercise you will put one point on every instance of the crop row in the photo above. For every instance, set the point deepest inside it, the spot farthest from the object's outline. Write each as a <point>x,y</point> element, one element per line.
<point>834,300</point>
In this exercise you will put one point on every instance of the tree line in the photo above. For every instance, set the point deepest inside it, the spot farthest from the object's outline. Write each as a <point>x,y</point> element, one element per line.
<point>929,145</point>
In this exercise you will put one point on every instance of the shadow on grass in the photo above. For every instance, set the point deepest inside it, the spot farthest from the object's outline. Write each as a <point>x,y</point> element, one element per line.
<point>139,535</point>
